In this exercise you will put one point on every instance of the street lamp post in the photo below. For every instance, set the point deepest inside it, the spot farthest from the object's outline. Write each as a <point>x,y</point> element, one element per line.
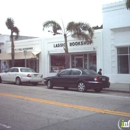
<point>25,54</point>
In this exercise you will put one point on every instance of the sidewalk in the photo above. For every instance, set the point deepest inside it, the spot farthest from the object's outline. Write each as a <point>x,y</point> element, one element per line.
<point>118,87</point>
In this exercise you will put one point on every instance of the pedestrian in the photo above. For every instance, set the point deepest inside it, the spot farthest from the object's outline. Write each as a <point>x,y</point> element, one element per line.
<point>100,72</point>
<point>4,67</point>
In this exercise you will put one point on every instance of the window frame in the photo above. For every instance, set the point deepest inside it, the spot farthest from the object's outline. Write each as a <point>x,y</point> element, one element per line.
<point>125,54</point>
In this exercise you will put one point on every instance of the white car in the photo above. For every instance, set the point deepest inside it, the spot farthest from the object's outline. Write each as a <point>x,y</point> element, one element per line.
<point>21,75</point>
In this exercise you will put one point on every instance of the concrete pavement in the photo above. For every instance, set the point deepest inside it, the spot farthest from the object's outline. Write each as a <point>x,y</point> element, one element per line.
<point>119,87</point>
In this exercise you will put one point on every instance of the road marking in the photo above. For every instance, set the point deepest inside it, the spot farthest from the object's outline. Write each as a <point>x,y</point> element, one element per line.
<point>5,126</point>
<point>98,110</point>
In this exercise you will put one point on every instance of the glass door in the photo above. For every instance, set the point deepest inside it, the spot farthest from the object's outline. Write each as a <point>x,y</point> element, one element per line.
<point>79,62</point>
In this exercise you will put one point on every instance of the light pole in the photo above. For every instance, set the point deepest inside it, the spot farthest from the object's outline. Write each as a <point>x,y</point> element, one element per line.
<point>25,53</point>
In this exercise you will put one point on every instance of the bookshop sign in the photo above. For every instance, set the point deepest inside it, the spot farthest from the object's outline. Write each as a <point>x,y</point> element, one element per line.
<point>71,44</point>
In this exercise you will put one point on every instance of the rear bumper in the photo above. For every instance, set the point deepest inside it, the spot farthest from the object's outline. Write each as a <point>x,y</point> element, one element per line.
<point>28,79</point>
<point>94,84</point>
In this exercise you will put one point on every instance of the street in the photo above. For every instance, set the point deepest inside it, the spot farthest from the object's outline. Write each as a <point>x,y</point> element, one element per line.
<point>27,107</point>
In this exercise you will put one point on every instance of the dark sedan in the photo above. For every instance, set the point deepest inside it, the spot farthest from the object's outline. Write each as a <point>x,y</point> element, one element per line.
<point>82,79</point>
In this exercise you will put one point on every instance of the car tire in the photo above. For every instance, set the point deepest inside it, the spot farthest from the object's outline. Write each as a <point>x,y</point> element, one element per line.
<point>18,81</point>
<point>81,87</point>
<point>66,88</point>
<point>35,84</point>
<point>0,80</point>
<point>97,90</point>
<point>49,84</point>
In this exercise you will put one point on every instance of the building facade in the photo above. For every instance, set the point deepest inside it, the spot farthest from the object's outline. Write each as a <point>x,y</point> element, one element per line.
<point>116,42</point>
<point>31,46</point>
<point>81,54</point>
<point>47,56</point>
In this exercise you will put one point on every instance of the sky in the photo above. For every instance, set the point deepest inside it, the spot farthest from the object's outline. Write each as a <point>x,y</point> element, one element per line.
<point>29,15</point>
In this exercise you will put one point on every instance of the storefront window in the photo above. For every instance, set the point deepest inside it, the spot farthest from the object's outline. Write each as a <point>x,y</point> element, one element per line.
<point>87,61</point>
<point>57,63</point>
<point>92,62</point>
<point>123,54</point>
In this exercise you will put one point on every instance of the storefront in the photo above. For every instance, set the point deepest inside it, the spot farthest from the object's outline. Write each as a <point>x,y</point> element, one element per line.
<point>32,47</point>
<point>81,54</point>
<point>83,60</point>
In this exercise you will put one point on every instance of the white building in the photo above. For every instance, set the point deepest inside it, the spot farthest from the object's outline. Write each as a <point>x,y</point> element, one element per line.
<point>116,42</point>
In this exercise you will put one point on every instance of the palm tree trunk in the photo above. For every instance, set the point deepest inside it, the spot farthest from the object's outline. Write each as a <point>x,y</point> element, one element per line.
<point>12,49</point>
<point>67,56</point>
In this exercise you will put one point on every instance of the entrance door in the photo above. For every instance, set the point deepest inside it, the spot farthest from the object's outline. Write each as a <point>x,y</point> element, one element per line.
<point>79,62</point>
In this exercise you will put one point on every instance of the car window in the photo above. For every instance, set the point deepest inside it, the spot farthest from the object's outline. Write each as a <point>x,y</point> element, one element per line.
<point>65,72</point>
<point>75,72</point>
<point>89,72</point>
<point>15,70</point>
<point>26,70</point>
<point>10,70</point>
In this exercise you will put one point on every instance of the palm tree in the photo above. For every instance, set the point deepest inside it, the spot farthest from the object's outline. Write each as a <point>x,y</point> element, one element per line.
<point>10,25</point>
<point>128,4</point>
<point>77,30</point>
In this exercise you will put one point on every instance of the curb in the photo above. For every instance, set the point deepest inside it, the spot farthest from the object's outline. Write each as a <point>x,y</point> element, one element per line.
<point>119,91</point>
<point>105,89</point>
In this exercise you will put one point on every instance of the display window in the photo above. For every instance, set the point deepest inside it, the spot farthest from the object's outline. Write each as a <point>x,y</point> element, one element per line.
<point>92,62</point>
<point>57,63</point>
<point>87,61</point>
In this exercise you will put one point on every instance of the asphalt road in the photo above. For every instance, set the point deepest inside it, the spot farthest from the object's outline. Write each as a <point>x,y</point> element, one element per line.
<point>27,107</point>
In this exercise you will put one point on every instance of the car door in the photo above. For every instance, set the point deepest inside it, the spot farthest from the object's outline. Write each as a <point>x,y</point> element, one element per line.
<point>74,77</point>
<point>14,73</point>
<point>7,75</point>
<point>62,78</point>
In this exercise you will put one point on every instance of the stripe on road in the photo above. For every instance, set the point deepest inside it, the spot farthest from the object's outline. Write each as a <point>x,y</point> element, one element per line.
<point>98,110</point>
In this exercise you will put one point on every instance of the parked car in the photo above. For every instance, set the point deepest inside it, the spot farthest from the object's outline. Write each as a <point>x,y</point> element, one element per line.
<point>82,79</point>
<point>21,75</point>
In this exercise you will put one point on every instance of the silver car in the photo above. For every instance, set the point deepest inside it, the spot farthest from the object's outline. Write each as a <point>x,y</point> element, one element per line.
<point>21,75</point>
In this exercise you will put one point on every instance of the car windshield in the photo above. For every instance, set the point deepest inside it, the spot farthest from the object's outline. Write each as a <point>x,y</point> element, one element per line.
<point>89,72</point>
<point>26,70</point>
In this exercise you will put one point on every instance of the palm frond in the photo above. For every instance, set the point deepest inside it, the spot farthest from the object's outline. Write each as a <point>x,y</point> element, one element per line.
<point>55,26</point>
<point>128,4</point>
<point>81,30</point>
<point>71,26</point>
<point>9,23</point>
<point>82,36</point>
<point>16,31</point>
<point>91,32</point>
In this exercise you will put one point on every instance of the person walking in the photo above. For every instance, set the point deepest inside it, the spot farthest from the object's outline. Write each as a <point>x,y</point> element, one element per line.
<point>100,72</point>
<point>4,67</point>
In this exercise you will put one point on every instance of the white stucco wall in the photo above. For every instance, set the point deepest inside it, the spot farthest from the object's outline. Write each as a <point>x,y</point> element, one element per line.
<point>116,32</point>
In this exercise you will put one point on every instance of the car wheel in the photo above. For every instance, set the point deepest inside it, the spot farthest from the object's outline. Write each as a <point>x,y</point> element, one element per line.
<point>35,84</point>
<point>66,88</point>
<point>18,81</point>
<point>49,84</point>
<point>97,90</point>
<point>81,87</point>
<point>0,80</point>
